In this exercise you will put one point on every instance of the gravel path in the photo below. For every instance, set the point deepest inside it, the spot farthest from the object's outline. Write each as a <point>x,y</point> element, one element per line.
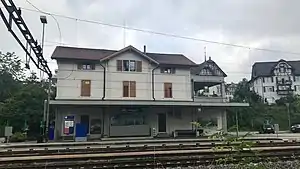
<point>267,165</point>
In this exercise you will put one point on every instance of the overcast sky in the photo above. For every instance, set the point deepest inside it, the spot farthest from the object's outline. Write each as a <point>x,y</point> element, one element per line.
<point>271,24</point>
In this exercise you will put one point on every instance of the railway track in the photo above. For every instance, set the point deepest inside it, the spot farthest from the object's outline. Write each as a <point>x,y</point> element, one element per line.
<point>148,159</point>
<point>19,152</point>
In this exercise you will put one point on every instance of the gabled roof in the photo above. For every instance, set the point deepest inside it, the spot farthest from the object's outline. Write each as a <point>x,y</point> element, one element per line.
<point>196,70</point>
<point>63,52</point>
<point>128,48</point>
<point>264,69</point>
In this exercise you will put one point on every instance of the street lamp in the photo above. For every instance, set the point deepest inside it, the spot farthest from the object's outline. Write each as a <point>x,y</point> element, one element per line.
<point>43,20</point>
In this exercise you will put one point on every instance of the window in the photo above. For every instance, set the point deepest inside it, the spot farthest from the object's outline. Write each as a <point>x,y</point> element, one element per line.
<point>269,89</point>
<point>128,119</point>
<point>168,90</point>
<point>129,89</point>
<point>85,88</point>
<point>168,70</point>
<point>125,65</point>
<point>96,126</point>
<point>129,65</point>
<point>86,66</point>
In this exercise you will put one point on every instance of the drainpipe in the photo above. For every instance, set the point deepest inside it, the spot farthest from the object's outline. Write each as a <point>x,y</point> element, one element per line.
<point>153,97</point>
<point>193,89</point>
<point>104,80</point>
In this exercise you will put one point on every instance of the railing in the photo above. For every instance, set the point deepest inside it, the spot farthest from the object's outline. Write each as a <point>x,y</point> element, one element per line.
<point>284,92</point>
<point>209,99</point>
<point>285,82</point>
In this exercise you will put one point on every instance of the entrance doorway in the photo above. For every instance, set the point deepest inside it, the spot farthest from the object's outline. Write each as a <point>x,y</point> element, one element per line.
<point>162,123</point>
<point>85,120</point>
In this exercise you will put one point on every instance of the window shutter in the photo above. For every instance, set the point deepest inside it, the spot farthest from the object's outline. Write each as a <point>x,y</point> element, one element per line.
<point>264,89</point>
<point>93,66</point>
<point>85,88</point>
<point>132,89</point>
<point>79,66</point>
<point>263,80</point>
<point>173,70</point>
<point>125,88</point>
<point>272,80</point>
<point>119,65</point>
<point>168,90</point>
<point>139,66</point>
<point>162,70</point>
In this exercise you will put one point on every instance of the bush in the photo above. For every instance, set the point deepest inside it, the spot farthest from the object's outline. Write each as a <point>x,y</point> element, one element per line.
<point>17,137</point>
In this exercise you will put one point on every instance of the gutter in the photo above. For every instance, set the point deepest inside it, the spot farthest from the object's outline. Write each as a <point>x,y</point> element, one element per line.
<point>104,81</point>
<point>193,89</point>
<point>153,97</point>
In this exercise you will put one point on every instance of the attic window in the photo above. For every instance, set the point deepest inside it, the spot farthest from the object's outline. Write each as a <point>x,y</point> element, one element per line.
<point>86,66</point>
<point>168,70</point>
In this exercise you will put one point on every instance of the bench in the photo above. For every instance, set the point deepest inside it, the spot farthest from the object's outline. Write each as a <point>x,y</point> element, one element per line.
<point>187,133</point>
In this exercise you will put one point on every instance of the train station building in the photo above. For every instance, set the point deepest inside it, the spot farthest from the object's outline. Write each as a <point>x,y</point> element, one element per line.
<point>133,93</point>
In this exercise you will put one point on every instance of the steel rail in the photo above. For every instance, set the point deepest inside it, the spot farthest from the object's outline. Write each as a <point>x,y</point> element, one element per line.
<point>128,148</point>
<point>178,159</point>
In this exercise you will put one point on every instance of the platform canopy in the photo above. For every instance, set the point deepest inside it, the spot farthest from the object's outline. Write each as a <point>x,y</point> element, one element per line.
<point>145,103</point>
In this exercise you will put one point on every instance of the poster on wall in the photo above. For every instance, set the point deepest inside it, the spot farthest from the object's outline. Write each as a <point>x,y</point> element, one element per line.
<point>69,125</point>
<point>95,126</point>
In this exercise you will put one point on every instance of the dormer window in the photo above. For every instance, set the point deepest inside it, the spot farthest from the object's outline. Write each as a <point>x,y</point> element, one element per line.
<point>86,66</point>
<point>129,65</point>
<point>168,70</point>
<point>282,70</point>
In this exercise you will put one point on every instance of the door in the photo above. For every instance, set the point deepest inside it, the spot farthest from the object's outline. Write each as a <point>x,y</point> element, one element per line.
<point>85,120</point>
<point>162,123</point>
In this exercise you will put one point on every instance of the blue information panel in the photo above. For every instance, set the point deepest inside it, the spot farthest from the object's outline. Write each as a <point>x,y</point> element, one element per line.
<point>81,130</point>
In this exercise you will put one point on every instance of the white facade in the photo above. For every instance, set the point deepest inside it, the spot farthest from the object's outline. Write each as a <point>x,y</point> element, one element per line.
<point>69,81</point>
<point>279,83</point>
<point>154,104</point>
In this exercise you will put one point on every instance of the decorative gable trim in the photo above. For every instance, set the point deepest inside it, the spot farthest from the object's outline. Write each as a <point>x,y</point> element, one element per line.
<point>129,48</point>
<point>210,66</point>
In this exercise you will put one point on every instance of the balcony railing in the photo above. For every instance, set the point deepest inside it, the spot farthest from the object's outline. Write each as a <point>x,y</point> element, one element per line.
<point>285,82</point>
<point>284,91</point>
<point>208,99</point>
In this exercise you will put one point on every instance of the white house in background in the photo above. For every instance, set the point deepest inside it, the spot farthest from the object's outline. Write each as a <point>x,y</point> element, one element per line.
<point>229,90</point>
<point>129,92</point>
<point>273,80</point>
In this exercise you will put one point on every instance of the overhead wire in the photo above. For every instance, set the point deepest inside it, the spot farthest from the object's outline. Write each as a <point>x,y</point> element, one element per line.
<point>46,13</point>
<point>162,33</point>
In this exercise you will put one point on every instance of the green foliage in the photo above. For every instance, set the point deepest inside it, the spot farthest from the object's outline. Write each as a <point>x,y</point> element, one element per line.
<point>21,97</point>
<point>251,118</point>
<point>243,93</point>
<point>18,137</point>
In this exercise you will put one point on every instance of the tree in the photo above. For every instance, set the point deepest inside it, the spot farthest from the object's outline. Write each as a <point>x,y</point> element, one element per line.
<point>243,93</point>
<point>252,117</point>
<point>21,97</point>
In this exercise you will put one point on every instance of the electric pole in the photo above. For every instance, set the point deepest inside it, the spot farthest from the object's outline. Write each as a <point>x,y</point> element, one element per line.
<point>31,47</point>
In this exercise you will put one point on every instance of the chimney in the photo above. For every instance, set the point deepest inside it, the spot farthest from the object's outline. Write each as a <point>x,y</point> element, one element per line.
<point>145,49</point>
<point>209,58</point>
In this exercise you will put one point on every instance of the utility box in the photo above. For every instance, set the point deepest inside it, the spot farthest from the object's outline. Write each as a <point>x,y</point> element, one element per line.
<point>276,128</point>
<point>8,131</point>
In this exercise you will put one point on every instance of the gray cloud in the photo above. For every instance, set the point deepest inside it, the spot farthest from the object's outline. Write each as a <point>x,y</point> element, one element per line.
<point>264,24</point>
